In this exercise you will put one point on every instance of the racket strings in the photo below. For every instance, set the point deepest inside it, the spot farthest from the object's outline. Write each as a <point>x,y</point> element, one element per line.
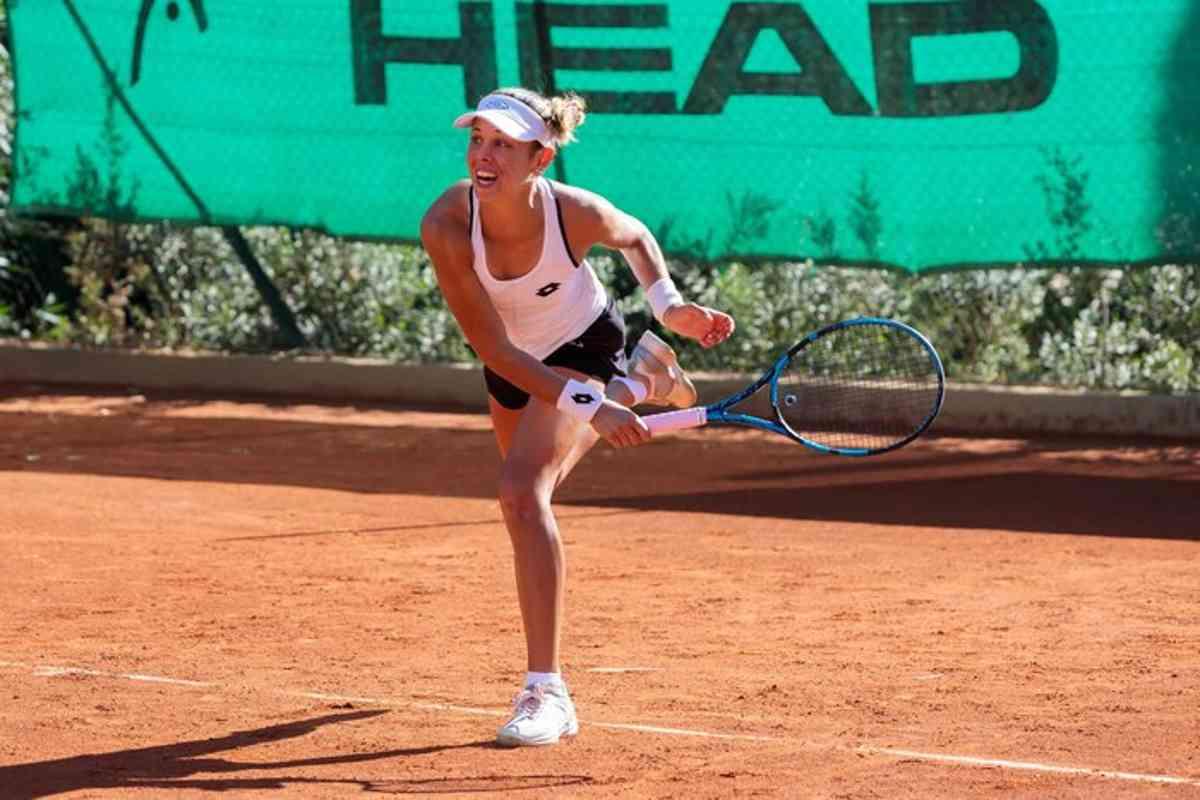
<point>863,386</point>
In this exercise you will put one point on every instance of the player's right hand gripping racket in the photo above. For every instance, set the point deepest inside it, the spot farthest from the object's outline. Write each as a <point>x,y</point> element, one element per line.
<point>859,387</point>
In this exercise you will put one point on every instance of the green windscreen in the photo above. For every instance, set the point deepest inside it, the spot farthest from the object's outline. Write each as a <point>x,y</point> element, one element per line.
<point>911,134</point>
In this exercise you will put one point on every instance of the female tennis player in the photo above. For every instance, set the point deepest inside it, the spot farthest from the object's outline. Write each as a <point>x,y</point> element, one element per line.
<point>508,247</point>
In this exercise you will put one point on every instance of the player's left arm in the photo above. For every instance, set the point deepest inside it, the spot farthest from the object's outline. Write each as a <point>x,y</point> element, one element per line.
<point>598,221</point>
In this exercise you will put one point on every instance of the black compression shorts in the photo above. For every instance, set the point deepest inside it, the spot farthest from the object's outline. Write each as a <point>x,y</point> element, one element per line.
<point>599,351</point>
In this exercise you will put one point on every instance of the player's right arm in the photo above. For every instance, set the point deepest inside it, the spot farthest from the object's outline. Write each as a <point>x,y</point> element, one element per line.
<point>446,235</point>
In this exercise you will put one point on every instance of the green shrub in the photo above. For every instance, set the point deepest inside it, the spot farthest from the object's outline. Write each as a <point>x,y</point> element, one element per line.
<point>169,286</point>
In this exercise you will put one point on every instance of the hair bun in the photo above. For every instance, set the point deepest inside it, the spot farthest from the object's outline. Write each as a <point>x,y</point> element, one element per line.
<point>567,112</point>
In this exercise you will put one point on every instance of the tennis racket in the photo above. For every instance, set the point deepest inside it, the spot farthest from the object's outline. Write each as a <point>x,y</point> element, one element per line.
<point>859,387</point>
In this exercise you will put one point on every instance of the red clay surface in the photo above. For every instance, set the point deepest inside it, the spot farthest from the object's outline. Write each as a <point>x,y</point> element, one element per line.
<point>329,592</point>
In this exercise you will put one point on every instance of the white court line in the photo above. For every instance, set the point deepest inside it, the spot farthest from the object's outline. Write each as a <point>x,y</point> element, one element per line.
<point>627,726</point>
<point>156,679</point>
<point>1029,765</point>
<point>55,672</point>
<point>943,758</point>
<point>339,698</point>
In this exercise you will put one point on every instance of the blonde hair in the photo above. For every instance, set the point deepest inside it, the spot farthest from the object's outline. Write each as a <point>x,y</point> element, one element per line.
<point>562,113</point>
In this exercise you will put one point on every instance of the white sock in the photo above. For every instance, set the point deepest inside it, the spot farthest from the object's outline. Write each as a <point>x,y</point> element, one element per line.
<point>635,387</point>
<point>552,678</point>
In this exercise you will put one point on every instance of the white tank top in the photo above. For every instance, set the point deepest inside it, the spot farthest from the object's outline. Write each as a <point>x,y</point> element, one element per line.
<point>554,302</point>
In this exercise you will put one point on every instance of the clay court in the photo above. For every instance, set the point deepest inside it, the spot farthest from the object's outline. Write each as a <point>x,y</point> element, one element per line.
<point>217,597</point>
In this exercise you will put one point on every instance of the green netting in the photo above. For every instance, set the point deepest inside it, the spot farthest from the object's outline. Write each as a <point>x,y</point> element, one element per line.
<point>914,134</point>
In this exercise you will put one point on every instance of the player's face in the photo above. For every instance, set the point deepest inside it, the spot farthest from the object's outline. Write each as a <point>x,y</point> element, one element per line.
<point>497,163</point>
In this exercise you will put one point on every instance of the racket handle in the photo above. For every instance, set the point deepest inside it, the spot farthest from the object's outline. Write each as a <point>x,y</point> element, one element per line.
<point>677,420</point>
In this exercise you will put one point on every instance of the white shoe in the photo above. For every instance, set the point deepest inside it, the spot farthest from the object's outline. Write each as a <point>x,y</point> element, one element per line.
<point>542,713</point>
<point>655,363</point>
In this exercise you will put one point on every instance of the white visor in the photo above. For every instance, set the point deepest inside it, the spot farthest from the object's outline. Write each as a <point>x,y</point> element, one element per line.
<point>512,117</point>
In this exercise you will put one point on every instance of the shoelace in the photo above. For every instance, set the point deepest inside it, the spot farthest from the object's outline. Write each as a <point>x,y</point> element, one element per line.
<point>529,701</point>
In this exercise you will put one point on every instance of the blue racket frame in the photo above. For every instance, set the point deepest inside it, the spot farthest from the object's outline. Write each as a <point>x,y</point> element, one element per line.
<point>718,413</point>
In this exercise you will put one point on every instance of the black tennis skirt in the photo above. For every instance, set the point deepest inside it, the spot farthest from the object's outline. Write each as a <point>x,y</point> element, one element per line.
<point>599,352</point>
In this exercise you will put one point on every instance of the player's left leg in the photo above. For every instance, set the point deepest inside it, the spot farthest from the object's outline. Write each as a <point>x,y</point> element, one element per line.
<point>655,364</point>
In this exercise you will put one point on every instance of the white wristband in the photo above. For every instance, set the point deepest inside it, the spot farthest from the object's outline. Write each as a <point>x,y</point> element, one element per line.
<point>580,400</point>
<point>663,295</point>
